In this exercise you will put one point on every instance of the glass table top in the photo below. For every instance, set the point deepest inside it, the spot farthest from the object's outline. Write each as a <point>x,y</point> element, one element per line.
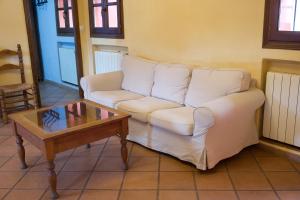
<point>71,115</point>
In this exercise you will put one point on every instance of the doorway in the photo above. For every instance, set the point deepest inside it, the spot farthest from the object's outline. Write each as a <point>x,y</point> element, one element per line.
<point>54,42</point>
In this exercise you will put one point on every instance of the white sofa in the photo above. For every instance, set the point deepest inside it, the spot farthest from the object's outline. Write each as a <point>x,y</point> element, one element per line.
<point>201,116</point>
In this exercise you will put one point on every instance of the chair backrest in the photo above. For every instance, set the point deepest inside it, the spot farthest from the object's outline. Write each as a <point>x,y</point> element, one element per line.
<point>6,67</point>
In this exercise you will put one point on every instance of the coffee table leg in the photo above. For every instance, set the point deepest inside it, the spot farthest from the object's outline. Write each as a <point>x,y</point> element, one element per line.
<point>20,146</point>
<point>21,151</point>
<point>124,151</point>
<point>52,178</point>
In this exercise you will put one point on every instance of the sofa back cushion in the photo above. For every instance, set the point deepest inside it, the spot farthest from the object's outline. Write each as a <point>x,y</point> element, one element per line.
<point>210,84</point>
<point>138,75</point>
<point>171,82</point>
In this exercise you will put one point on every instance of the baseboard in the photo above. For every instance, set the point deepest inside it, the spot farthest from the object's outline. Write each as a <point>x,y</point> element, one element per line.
<point>61,85</point>
<point>280,148</point>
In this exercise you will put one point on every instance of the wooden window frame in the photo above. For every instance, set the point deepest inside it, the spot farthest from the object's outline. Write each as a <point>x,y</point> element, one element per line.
<point>273,38</point>
<point>67,31</point>
<point>105,31</point>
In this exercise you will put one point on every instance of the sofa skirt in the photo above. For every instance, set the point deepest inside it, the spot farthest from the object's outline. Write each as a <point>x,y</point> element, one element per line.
<point>186,148</point>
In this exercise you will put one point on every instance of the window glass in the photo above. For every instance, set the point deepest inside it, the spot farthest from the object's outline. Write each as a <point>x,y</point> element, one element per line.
<point>297,17</point>
<point>60,3</point>
<point>64,17</point>
<point>113,16</point>
<point>69,3</point>
<point>62,23</point>
<point>106,18</point>
<point>98,17</point>
<point>70,18</point>
<point>282,24</point>
<point>287,13</point>
<point>97,1</point>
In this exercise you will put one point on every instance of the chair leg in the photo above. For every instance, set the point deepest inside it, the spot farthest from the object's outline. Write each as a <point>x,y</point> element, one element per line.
<point>3,107</point>
<point>25,96</point>
<point>35,104</point>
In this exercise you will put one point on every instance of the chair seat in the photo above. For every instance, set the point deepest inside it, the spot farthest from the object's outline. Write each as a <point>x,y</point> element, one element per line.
<point>15,88</point>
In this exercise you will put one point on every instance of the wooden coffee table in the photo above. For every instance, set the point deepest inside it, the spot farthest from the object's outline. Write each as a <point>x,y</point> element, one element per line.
<point>60,128</point>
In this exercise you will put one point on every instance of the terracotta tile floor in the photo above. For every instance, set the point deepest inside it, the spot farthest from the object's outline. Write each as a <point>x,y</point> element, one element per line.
<point>97,173</point>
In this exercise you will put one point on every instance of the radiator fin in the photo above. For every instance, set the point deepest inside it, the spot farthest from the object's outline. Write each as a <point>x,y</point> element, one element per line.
<point>107,61</point>
<point>282,108</point>
<point>284,104</point>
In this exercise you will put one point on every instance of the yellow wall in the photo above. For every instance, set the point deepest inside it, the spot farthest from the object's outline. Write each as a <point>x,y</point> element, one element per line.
<point>223,33</point>
<point>12,32</point>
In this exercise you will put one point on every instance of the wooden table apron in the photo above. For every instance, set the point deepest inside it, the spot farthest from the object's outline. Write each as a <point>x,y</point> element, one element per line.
<point>60,143</point>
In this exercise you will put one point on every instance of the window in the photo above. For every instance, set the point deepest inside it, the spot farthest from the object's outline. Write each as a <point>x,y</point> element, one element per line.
<point>282,24</point>
<point>106,18</point>
<point>64,17</point>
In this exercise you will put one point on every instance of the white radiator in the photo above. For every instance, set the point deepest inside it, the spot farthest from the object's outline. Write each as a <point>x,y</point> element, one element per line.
<point>282,108</point>
<point>107,61</point>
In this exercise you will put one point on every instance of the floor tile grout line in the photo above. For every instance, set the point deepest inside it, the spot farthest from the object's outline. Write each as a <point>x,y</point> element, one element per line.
<point>108,171</point>
<point>10,158</point>
<point>283,157</point>
<point>266,177</point>
<point>231,181</point>
<point>186,190</point>
<point>57,174</point>
<point>124,174</point>
<point>13,155</point>
<point>8,137</point>
<point>158,177</point>
<point>26,171</point>
<point>195,185</point>
<point>92,171</point>
<point>293,166</point>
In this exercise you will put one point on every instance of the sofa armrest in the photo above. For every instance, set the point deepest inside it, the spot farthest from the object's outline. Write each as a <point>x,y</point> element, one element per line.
<point>231,109</point>
<point>234,124</point>
<point>101,82</point>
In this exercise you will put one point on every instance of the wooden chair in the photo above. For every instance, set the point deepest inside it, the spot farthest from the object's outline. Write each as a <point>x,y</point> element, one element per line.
<point>15,97</point>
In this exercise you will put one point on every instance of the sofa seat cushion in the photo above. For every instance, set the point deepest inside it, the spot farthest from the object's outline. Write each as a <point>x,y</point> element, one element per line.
<point>178,120</point>
<point>138,75</point>
<point>141,108</point>
<point>111,98</point>
<point>209,84</point>
<point>171,82</point>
